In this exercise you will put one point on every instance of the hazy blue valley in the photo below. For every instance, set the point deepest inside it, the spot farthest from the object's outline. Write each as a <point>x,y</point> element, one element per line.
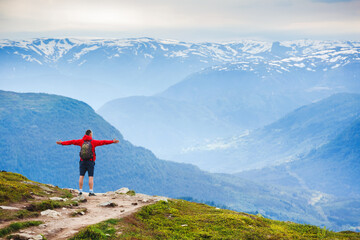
<point>269,128</point>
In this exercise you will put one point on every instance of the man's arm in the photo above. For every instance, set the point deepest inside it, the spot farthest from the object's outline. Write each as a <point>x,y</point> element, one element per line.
<point>71,142</point>
<point>103,142</point>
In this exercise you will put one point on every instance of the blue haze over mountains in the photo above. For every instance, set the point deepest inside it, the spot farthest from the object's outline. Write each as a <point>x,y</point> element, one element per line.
<point>32,122</point>
<point>278,122</point>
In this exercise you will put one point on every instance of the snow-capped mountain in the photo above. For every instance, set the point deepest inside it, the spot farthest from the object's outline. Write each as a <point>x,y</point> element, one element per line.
<point>292,53</point>
<point>244,95</point>
<point>145,66</point>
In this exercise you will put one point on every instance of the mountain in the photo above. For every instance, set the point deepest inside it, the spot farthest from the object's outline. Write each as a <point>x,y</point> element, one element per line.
<point>115,67</point>
<point>338,161</point>
<point>294,135</point>
<point>144,66</point>
<point>163,125</point>
<point>246,96</point>
<point>331,171</point>
<point>31,123</point>
<point>252,94</point>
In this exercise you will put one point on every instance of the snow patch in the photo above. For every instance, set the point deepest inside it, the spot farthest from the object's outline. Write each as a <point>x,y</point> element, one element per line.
<point>299,65</point>
<point>177,54</point>
<point>335,66</point>
<point>148,56</point>
<point>219,143</point>
<point>163,48</point>
<point>84,51</point>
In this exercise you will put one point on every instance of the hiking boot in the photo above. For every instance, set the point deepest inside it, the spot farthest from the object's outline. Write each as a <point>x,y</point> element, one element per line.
<point>92,194</point>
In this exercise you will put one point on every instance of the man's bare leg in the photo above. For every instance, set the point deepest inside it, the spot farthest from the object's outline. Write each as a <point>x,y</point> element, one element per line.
<point>81,183</point>
<point>91,183</point>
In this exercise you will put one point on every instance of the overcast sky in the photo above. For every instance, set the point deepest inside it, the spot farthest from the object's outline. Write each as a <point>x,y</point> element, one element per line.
<point>191,20</point>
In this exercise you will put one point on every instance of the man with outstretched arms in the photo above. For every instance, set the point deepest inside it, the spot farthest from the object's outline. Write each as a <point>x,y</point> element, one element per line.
<point>87,157</point>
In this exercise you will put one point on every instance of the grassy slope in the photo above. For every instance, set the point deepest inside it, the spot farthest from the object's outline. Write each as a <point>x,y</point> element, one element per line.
<point>177,219</point>
<point>15,188</point>
<point>180,219</point>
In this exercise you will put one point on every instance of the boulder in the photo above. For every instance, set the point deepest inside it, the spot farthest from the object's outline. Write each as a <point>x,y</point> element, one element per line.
<point>50,213</point>
<point>80,198</point>
<point>58,199</point>
<point>9,208</point>
<point>26,236</point>
<point>123,190</point>
<point>46,189</point>
<point>108,204</point>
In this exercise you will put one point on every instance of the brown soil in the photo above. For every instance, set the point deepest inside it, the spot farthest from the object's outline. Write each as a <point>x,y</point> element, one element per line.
<point>65,226</point>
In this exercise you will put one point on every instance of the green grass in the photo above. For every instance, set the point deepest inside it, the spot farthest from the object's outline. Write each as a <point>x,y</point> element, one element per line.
<point>17,226</point>
<point>100,231</point>
<point>13,188</point>
<point>50,204</point>
<point>180,219</point>
<point>66,194</point>
<point>16,188</point>
<point>131,193</point>
<point>78,212</point>
<point>7,215</point>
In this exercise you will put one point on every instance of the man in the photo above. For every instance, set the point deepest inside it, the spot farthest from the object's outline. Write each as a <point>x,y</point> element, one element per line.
<point>87,157</point>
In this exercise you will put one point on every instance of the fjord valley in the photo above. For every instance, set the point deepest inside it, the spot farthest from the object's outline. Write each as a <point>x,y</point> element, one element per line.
<point>256,127</point>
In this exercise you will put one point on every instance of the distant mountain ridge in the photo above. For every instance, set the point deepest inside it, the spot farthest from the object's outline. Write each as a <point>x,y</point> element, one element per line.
<point>287,139</point>
<point>331,170</point>
<point>145,66</point>
<point>52,50</point>
<point>245,96</point>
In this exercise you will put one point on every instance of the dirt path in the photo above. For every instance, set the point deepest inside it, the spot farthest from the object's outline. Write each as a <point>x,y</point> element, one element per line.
<point>65,226</point>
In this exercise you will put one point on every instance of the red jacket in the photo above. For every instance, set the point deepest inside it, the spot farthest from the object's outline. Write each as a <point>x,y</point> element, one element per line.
<point>94,143</point>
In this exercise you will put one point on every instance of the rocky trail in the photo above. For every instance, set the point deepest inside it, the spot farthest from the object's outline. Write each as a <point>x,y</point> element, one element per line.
<point>63,223</point>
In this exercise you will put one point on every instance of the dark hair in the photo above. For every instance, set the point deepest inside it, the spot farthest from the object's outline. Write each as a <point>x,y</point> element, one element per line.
<point>88,132</point>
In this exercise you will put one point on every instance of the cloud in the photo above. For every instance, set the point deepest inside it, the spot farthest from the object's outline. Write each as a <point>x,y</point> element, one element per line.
<point>332,1</point>
<point>184,18</point>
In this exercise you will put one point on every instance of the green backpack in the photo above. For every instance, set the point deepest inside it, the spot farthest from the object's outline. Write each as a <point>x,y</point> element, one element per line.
<point>86,151</point>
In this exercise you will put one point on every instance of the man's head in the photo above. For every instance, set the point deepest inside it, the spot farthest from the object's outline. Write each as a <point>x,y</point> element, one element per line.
<point>88,132</point>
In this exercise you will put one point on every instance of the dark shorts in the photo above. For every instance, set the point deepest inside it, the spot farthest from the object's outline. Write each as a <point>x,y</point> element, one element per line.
<point>87,166</point>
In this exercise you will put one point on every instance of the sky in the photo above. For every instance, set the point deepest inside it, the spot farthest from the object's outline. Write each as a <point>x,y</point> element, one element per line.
<point>191,20</point>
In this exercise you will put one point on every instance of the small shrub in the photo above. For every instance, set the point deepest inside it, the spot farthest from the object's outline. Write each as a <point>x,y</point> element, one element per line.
<point>67,194</point>
<point>6,215</point>
<point>131,193</point>
<point>78,212</point>
<point>25,214</point>
<point>44,205</point>
<point>17,226</point>
<point>50,204</point>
